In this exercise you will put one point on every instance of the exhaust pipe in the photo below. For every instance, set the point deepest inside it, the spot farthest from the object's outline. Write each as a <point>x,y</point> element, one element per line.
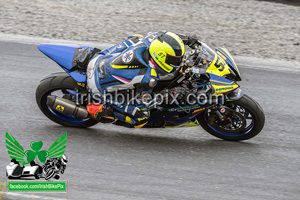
<point>66,106</point>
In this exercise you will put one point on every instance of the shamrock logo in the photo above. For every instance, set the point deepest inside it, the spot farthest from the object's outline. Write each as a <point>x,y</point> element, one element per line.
<point>36,153</point>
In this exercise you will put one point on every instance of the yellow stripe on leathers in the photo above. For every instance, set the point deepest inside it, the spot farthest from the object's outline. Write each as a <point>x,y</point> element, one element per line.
<point>128,120</point>
<point>153,72</point>
<point>119,66</point>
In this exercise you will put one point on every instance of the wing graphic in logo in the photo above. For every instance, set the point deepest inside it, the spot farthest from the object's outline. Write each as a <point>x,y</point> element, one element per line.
<point>15,150</point>
<point>57,149</point>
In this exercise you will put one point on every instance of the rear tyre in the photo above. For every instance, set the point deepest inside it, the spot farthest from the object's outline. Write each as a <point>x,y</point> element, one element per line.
<point>60,82</point>
<point>37,176</point>
<point>255,120</point>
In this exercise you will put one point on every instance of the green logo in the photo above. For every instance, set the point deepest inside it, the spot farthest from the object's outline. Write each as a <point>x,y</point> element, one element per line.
<point>16,151</point>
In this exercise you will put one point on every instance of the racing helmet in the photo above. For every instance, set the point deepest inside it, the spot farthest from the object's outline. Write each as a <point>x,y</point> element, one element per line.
<point>167,50</point>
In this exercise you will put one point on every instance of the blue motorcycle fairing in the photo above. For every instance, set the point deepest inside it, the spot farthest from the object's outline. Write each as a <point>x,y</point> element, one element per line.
<point>232,95</point>
<point>77,76</point>
<point>63,54</point>
<point>219,79</point>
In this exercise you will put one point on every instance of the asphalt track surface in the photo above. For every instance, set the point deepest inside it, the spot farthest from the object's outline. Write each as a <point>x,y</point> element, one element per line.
<point>109,162</point>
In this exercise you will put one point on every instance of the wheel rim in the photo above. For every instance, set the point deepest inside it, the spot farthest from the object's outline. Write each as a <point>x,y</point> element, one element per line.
<point>248,115</point>
<point>60,115</point>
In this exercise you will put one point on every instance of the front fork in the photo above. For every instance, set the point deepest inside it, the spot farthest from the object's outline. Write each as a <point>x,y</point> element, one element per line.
<point>221,110</point>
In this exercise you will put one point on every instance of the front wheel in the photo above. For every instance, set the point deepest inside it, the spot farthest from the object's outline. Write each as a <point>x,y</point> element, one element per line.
<point>49,174</point>
<point>244,120</point>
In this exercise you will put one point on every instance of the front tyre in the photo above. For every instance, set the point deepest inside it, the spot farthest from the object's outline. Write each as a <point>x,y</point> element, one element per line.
<point>49,174</point>
<point>248,111</point>
<point>60,84</point>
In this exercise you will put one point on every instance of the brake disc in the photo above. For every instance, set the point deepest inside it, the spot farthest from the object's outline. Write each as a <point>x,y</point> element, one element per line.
<point>233,122</point>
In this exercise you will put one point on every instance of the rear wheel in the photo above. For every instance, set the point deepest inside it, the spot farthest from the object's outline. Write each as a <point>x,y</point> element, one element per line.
<point>60,84</point>
<point>245,120</point>
<point>36,175</point>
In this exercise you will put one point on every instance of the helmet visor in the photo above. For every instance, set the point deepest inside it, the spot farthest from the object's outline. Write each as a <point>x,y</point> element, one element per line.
<point>173,60</point>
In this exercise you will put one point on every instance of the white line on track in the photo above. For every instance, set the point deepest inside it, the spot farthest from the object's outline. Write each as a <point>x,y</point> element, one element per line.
<point>29,196</point>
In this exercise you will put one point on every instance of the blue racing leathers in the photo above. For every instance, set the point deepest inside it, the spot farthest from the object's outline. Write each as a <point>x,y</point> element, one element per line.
<point>124,69</point>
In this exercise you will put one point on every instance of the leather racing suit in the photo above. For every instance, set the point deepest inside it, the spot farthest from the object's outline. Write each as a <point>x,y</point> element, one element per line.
<point>125,67</point>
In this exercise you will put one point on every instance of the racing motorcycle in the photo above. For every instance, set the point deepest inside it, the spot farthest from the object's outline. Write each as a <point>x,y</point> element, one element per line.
<point>228,113</point>
<point>53,167</point>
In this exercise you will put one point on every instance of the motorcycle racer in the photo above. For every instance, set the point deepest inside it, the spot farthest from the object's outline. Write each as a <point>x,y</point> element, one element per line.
<point>135,64</point>
<point>149,76</point>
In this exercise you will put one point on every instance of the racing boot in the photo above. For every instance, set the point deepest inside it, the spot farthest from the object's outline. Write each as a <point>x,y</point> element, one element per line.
<point>98,110</point>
